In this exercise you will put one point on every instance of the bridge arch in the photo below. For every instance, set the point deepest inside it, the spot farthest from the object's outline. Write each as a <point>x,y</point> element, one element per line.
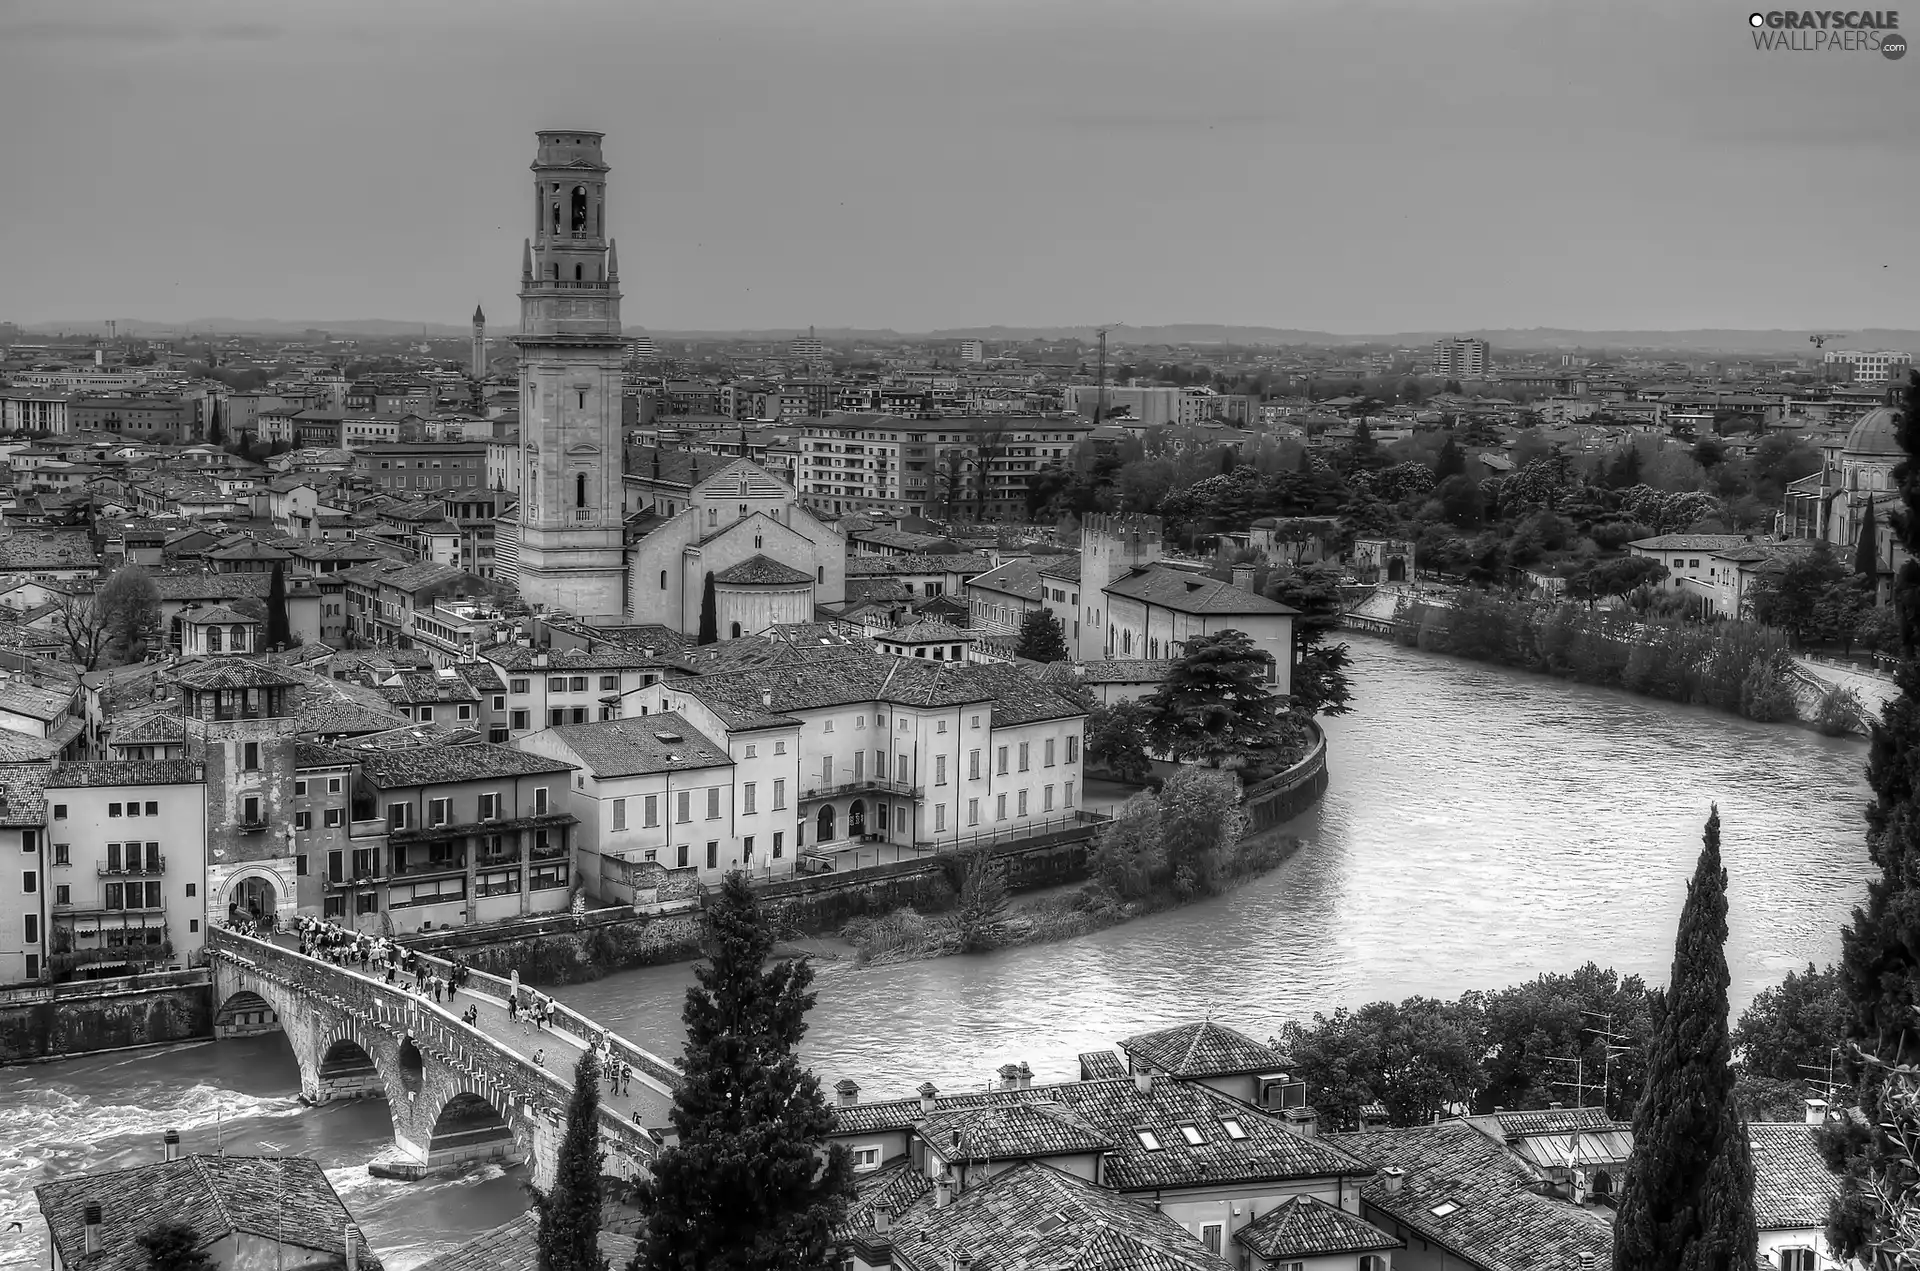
<point>468,1122</point>
<point>244,1014</point>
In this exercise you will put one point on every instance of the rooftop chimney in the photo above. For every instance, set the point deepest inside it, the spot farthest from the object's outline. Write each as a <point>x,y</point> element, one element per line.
<point>766,698</point>
<point>353,1253</point>
<point>1586,1262</point>
<point>882,1219</point>
<point>1026,1076</point>
<point>1009,1076</point>
<point>1393,1180</point>
<point>942,1192</point>
<point>1143,1080</point>
<point>93,1228</point>
<point>962,1260</point>
<point>1816,1112</point>
<point>1243,577</point>
<point>927,1095</point>
<point>1556,1107</point>
<point>170,1142</point>
<point>846,1092</point>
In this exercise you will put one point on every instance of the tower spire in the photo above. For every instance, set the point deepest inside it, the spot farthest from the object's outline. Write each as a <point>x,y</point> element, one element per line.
<point>526,260</point>
<point>613,261</point>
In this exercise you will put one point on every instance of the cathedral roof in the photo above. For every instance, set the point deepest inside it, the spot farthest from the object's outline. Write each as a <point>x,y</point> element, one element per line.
<point>762,571</point>
<point>1876,433</point>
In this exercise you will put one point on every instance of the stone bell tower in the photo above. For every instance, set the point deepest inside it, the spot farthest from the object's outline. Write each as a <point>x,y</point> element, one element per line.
<point>479,368</point>
<point>571,546</point>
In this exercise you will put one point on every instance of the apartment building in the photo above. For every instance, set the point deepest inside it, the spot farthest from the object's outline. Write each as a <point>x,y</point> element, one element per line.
<point>546,688</point>
<point>1461,358</point>
<point>969,466</point>
<point>24,894</point>
<point>446,468</point>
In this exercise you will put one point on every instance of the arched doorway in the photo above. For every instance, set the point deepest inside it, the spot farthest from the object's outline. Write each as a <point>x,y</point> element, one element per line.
<point>824,827</point>
<point>736,631</point>
<point>857,818</point>
<point>253,897</point>
<point>1397,569</point>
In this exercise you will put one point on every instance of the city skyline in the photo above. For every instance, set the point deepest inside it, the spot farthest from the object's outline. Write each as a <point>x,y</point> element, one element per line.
<point>1351,170</point>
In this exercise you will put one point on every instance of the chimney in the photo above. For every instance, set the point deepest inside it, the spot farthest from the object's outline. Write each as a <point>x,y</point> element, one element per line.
<point>1009,1076</point>
<point>1304,1122</point>
<point>766,698</point>
<point>1393,1180</point>
<point>353,1253</point>
<point>927,1095</point>
<point>1556,1107</point>
<point>962,1260</point>
<point>1816,1112</point>
<point>93,1229</point>
<point>1243,577</point>
<point>882,1220</point>
<point>1497,1109</point>
<point>170,1145</point>
<point>846,1092</point>
<point>1026,1076</point>
<point>942,1192</point>
<point>1143,1080</point>
<point>1586,1262</point>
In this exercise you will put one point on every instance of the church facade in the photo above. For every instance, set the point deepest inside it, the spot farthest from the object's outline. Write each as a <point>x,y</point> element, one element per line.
<point>1856,475</point>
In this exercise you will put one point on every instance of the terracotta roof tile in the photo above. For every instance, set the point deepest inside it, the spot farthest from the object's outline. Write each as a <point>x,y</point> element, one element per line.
<point>762,571</point>
<point>514,1246</point>
<point>1307,1227</point>
<point>1791,1183</point>
<point>1203,1049</point>
<point>626,747</point>
<point>1192,593</point>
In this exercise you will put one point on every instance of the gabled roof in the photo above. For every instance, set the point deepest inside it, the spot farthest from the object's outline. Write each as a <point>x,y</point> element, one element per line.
<point>1690,542</point>
<point>1192,593</point>
<point>515,1246</point>
<point>929,631</point>
<point>1020,577</point>
<point>287,1199</point>
<point>1791,1183</point>
<point>762,571</point>
<point>1308,1227</point>
<point>629,747</point>
<point>968,563</point>
<point>1203,1049</point>
<point>1015,1131</point>
<point>1553,1121</point>
<point>446,765</point>
<point>214,673</point>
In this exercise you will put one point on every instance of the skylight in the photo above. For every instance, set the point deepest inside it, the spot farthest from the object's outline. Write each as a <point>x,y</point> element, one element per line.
<point>1191,1133</point>
<point>1445,1209</point>
<point>1050,1224</point>
<point>1148,1139</point>
<point>1233,1128</point>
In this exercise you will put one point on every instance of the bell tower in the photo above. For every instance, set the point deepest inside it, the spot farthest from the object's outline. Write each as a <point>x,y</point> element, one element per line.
<point>571,548</point>
<point>479,368</point>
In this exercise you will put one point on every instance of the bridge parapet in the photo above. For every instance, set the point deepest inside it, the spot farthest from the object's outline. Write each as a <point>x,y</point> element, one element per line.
<point>453,1058</point>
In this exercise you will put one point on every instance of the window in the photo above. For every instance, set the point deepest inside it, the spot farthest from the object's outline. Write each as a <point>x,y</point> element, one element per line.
<point>746,848</point>
<point>519,721</point>
<point>973,811</point>
<point>865,1159</point>
<point>752,750</point>
<point>335,818</point>
<point>1021,807</point>
<point>1000,762</point>
<point>713,803</point>
<point>747,798</point>
<point>299,787</point>
<point>1234,1129</point>
<point>250,811</point>
<point>779,747</point>
<point>779,794</point>
<point>827,727</point>
<point>779,844</point>
<point>303,820</point>
<point>499,701</point>
<point>300,864</point>
<point>1047,754</point>
<point>859,721</point>
<point>939,770</point>
<point>59,811</point>
<point>1210,1236</point>
<point>1073,749</point>
<point>1790,1259</point>
<point>29,881</point>
<point>940,727</point>
<point>1046,799</point>
<point>30,929</point>
<point>399,816</point>
<point>1148,1139</point>
<point>556,684</point>
<point>1368,1262</point>
<point>113,809</point>
<point>1445,1209</point>
<point>490,807</point>
<point>577,684</point>
<point>975,723</point>
<point>973,765</point>
<point>516,686</point>
<point>439,811</point>
<point>1000,807</point>
<point>1069,794</point>
<point>63,893</point>
<point>540,801</point>
<point>652,810</point>
<point>250,762</point>
<point>1026,749</point>
<point>619,814</point>
<point>713,854</point>
<point>683,809</point>
<point>939,816</point>
<point>682,851</point>
<point>1191,1133</point>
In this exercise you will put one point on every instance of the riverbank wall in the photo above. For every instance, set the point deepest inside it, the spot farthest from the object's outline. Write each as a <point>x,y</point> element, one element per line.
<point>54,1021</point>
<point>1286,795</point>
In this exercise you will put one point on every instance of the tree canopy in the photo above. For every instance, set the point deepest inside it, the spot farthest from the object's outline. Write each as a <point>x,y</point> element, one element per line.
<point>1216,705</point>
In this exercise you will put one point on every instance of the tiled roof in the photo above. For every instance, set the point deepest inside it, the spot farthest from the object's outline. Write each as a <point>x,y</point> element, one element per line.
<point>23,789</point>
<point>522,660</point>
<point>1690,542</point>
<point>216,615</point>
<point>1307,1227</point>
<point>753,698</point>
<point>1791,1184</point>
<point>1115,671</point>
<point>861,590</point>
<point>1203,1049</point>
<point>515,1246</point>
<point>1066,567</point>
<point>1009,1132</point>
<point>930,631</point>
<point>33,702</point>
<point>56,549</point>
<point>1032,1217</point>
<point>287,1199</point>
<point>894,1187</point>
<point>1553,1121</point>
<point>1019,577</point>
<point>1117,1108</point>
<point>213,673</point>
<point>1487,1214</point>
<point>627,747</point>
<point>126,772</point>
<point>968,563</point>
<point>1097,1065</point>
<point>1192,593</point>
<point>762,571</point>
<point>444,765</point>
<point>429,686</point>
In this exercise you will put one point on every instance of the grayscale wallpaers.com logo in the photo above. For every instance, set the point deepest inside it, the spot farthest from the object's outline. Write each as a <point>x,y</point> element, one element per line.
<point>1830,31</point>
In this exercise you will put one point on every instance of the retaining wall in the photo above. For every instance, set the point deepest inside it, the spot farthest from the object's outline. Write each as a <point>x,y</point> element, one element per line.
<point>50,1021</point>
<point>1286,795</point>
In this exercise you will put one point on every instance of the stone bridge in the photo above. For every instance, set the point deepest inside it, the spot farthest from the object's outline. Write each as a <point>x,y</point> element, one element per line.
<point>456,1093</point>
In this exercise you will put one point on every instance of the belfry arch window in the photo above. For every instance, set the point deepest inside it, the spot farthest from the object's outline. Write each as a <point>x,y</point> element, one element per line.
<point>578,273</point>
<point>556,207</point>
<point>579,209</point>
<point>580,490</point>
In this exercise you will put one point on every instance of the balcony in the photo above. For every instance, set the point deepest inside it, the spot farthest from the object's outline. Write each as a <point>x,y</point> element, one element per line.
<point>432,865</point>
<point>155,865</point>
<point>251,827</point>
<point>864,785</point>
<point>372,828</point>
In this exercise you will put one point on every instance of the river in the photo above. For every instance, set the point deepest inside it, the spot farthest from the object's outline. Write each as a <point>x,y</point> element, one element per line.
<point>1480,825</point>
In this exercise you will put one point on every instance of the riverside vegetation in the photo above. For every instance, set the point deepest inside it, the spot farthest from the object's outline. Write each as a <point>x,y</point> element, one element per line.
<point>1183,842</point>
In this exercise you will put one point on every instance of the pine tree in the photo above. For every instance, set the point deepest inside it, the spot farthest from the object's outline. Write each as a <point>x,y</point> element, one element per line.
<point>1041,639</point>
<point>279,629</point>
<point>1450,462</point>
<point>1688,1201</point>
<point>569,1238</point>
<point>750,1185</point>
<point>216,431</point>
<point>1879,965</point>
<point>1866,553</point>
<point>709,618</point>
<point>1216,703</point>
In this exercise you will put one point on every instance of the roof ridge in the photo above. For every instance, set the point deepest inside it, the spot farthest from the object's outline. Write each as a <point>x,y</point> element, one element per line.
<point>207,1181</point>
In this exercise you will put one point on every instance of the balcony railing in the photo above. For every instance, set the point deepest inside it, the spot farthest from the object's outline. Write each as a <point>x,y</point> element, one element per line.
<point>433,865</point>
<point>372,828</point>
<point>154,865</point>
<point>864,785</point>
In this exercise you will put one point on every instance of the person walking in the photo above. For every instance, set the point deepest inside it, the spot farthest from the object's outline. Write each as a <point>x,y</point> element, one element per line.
<point>540,1058</point>
<point>513,1008</point>
<point>626,1078</point>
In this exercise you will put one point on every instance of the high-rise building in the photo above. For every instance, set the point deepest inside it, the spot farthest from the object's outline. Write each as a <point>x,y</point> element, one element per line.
<point>1871,368</point>
<point>973,351</point>
<point>569,546</point>
<point>642,348</point>
<point>1460,358</point>
<point>807,348</point>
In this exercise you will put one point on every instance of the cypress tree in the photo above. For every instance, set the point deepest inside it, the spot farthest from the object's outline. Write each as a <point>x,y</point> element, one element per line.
<point>1880,949</point>
<point>279,628</point>
<point>750,1185</point>
<point>709,621</point>
<point>1866,553</point>
<point>1688,1201</point>
<point>1041,638</point>
<point>569,1238</point>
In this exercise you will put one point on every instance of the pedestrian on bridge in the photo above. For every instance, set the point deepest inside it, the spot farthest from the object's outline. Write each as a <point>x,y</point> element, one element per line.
<point>626,1078</point>
<point>540,1058</point>
<point>513,1008</point>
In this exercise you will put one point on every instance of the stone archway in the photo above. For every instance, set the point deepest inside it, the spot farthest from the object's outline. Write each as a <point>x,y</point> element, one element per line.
<point>245,1014</point>
<point>250,889</point>
<point>1397,569</point>
<point>857,818</point>
<point>824,827</point>
<point>347,1070</point>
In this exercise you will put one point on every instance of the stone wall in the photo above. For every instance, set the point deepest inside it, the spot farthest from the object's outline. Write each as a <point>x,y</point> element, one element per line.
<point>1280,798</point>
<point>75,1019</point>
<point>568,950</point>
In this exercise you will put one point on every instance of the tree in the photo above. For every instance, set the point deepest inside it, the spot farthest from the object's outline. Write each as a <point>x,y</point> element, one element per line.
<point>1215,705</point>
<point>1866,553</point>
<point>1117,741</point>
<point>279,629</point>
<point>1624,473</point>
<point>216,429</point>
<point>1200,821</point>
<point>569,1238</point>
<point>1623,576</point>
<point>751,1184</point>
<point>1709,453</point>
<point>1880,948</point>
<point>1319,684</point>
<point>1229,460</point>
<point>1041,638</point>
<point>981,919</point>
<point>1451,461</point>
<point>1129,855</point>
<point>1788,1039</point>
<point>175,1246</point>
<point>1531,1027</point>
<point>709,619</point>
<point>1688,1201</point>
<point>1417,1058</point>
<point>1790,598</point>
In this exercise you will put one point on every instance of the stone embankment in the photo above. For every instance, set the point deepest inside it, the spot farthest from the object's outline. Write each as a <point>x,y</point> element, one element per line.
<point>50,1021</point>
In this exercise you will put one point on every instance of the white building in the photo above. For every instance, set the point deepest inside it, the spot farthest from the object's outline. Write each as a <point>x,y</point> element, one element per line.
<point>1460,358</point>
<point>1871,368</point>
<point>973,351</point>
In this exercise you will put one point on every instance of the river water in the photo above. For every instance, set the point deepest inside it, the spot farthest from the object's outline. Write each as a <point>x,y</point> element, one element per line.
<point>1480,825</point>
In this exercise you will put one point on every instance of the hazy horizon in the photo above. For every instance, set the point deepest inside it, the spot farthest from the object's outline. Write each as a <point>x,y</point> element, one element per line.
<point>1346,168</point>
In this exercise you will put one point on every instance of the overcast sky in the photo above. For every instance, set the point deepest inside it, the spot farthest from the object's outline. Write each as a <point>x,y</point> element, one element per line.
<point>917,164</point>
